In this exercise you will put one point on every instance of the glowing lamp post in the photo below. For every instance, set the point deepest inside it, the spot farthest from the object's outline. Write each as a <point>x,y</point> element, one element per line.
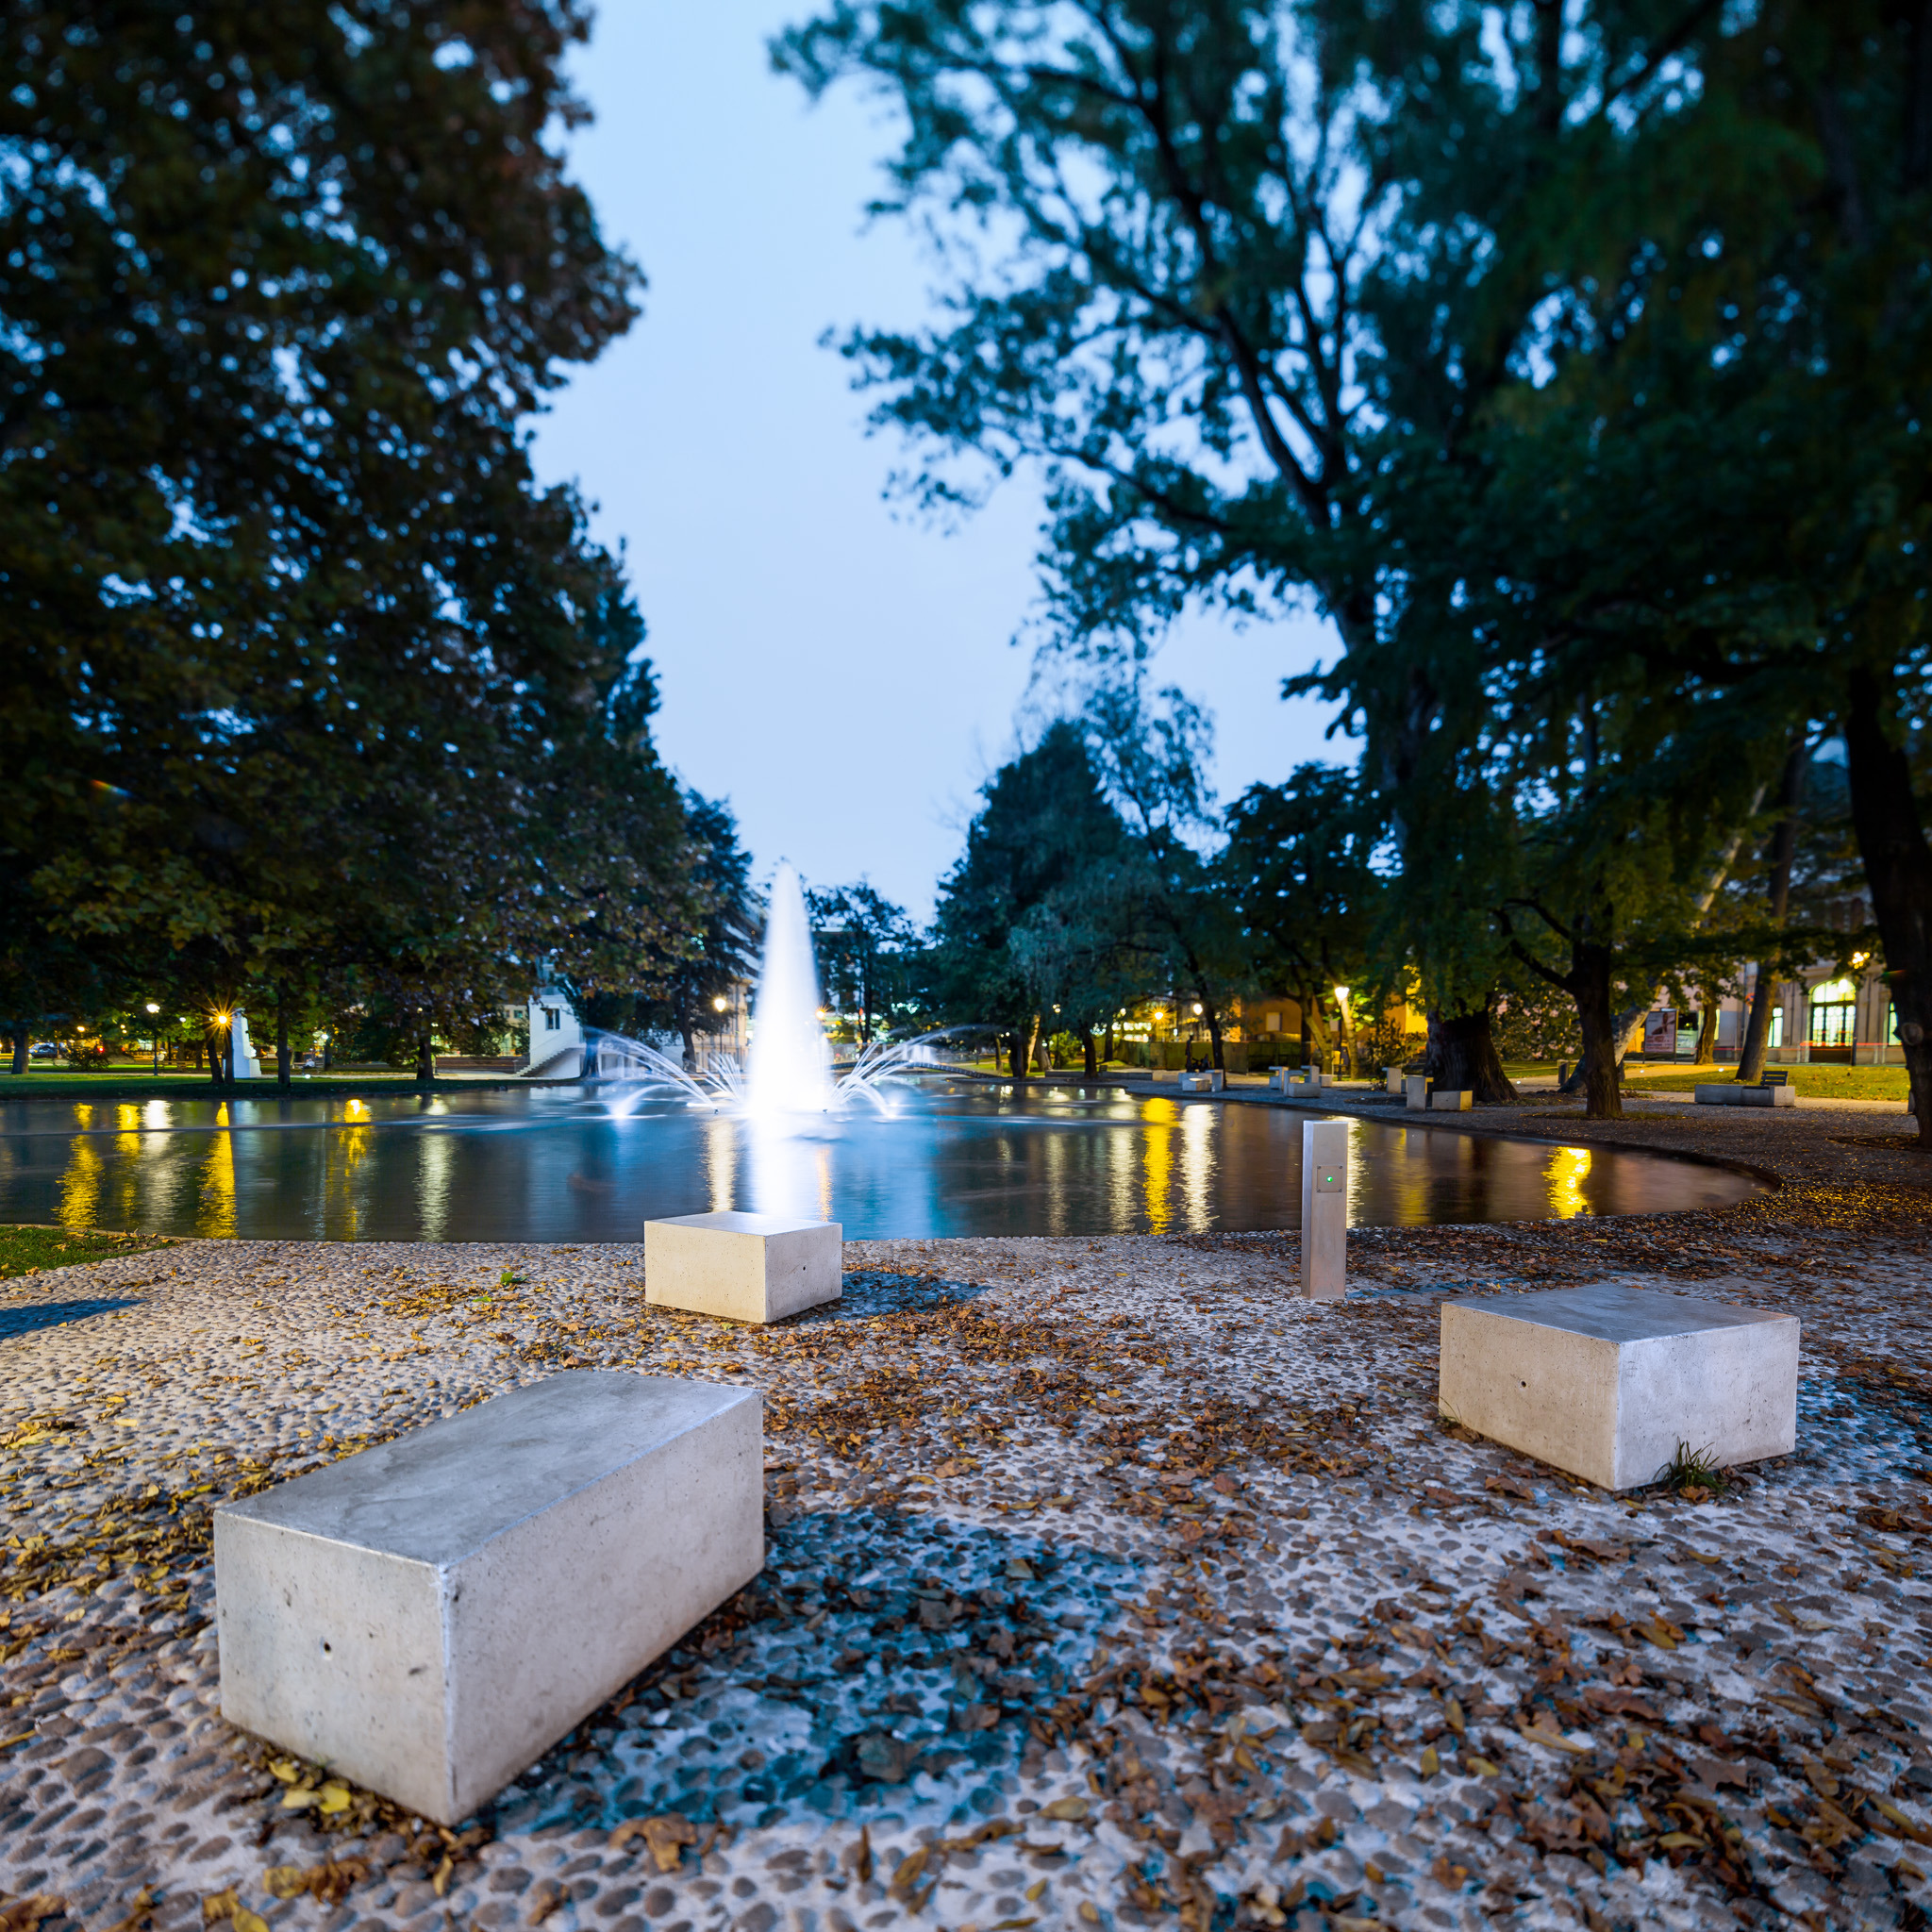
<point>154,1028</point>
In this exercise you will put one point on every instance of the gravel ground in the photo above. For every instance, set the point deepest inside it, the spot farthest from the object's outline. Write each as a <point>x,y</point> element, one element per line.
<point>1107,1584</point>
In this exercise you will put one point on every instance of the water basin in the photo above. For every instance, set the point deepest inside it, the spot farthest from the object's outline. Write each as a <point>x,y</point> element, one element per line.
<point>959,1158</point>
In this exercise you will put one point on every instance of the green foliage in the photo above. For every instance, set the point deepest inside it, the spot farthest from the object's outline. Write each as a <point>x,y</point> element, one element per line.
<point>314,693</point>
<point>1298,864</point>
<point>866,947</point>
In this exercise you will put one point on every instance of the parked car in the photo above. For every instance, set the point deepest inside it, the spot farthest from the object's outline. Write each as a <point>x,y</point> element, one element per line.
<point>43,1050</point>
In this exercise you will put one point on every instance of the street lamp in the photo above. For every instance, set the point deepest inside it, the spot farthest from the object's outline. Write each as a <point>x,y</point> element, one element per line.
<point>154,1028</point>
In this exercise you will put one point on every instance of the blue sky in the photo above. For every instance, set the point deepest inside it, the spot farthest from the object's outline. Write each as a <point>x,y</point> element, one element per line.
<point>838,668</point>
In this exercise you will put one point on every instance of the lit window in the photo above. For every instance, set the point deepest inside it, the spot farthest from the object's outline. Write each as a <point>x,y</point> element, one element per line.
<point>1834,1013</point>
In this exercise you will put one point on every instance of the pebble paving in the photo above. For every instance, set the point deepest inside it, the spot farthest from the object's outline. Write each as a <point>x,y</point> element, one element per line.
<point>1107,1584</point>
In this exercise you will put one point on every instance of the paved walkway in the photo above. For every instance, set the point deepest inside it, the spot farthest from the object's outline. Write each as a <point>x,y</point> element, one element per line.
<point>1109,1585</point>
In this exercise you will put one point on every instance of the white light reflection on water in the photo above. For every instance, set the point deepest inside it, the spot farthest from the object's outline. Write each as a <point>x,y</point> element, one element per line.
<point>959,1158</point>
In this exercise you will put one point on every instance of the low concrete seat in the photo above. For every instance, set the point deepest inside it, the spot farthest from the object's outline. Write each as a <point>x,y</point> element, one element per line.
<point>743,1267</point>
<point>1393,1078</point>
<point>1728,1093</point>
<point>1415,1092</point>
<point>430,1616</point>
<point>1606,1381</point>
<point>1451,1100</point>
<point>1210,1082</point>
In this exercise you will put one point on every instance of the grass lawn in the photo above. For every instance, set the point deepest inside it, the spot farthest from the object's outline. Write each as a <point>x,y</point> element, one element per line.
<point>27,1250</point>
<point>1812,1082</point>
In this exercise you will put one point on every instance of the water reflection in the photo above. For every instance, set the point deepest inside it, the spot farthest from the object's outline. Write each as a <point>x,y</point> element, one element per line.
<point>1569,1170</point>
<point>556,1165</point>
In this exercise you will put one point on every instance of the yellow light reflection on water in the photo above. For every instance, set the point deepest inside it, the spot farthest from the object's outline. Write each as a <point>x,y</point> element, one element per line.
<point>217,1213</point>
<point>1162,1117</point>
<point>81,1186</point>
<point>1568,1169</point>
<point>345,1150</point>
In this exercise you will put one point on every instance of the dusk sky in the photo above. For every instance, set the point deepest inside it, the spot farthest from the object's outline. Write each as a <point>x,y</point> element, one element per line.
<point>844,673</point>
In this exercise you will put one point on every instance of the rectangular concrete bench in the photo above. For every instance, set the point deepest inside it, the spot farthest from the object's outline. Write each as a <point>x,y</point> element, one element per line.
<point>1728,1093</point>
<point>1210,1082</point>
<point>1415,1092</point>
<point>1606,1381</point>
<point>430,1616</point>
<point>1393,1078</point>
<point>1451,1100</point>
<point>743,1267</point>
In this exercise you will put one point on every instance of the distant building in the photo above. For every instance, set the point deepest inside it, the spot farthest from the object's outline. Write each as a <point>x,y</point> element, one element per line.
<point>1823,1014</point>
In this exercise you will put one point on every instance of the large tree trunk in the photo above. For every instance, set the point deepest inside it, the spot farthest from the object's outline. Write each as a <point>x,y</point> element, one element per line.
<point>1461,1053</point>
<point>1214,1037</point>
<point>1590,985</point>
<point>425,1060</point>
<point>1088,1040</point>
<point>1016,1056</point>
<point>1707,1029</point>
<point>1898,872</point>
<point>1784,851</point>
<point>20,1047</point>
<point>282,1068</point>
<point>214,1058</point>
<point>1036,1047</point>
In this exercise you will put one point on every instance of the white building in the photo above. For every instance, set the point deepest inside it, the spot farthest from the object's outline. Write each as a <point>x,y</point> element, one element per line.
<point>557,1038</point>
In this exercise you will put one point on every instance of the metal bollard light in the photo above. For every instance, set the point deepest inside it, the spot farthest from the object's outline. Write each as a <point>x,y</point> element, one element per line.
<point>1325,1210</point>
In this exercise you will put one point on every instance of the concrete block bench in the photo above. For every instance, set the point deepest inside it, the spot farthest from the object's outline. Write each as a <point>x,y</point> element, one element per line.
<point>430,1616</point>
<point>1415,1092</point>
<point>743,1267</point>
<point>1728,1093</point>
<point>1606,1381</point>
<point>1451,1100</point>
<point>1210,1082</point>
<point>1392,1081</point>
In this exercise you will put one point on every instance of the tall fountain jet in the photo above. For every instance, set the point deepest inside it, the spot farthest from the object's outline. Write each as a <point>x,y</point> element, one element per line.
<point>790,1065</point>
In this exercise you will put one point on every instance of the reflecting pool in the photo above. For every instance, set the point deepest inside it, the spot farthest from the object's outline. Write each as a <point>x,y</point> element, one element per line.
<point>959,1158</point>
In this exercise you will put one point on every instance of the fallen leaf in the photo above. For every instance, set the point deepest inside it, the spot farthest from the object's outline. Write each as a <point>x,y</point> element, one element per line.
<point>23,1914</point>
<point>665,1837</point>
<point>1482,1767</point>
<point>1066,1809</point>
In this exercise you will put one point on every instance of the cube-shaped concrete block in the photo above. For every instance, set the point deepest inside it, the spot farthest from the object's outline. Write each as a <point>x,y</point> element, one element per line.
<point>743,1267</point>
<point>1280,1080</point>
<point>1415,1092</point>
<point>1392,1079</point>
<point>1451,1100</point>
<point>1210,1082</point>
<point>1606,1381</point>
<point>430,1616</point>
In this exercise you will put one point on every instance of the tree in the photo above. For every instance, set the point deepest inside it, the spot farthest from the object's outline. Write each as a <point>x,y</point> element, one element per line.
<point>863,943</point>
<point>1298,865</point>
<point>1214,267</point>
<point>1045,834</point>
<point>301,661</point>
<point>1733,366</point>
<point>680,983</point>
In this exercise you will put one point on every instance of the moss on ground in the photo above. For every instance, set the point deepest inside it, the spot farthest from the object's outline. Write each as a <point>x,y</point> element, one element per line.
<point>27,1250</point>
